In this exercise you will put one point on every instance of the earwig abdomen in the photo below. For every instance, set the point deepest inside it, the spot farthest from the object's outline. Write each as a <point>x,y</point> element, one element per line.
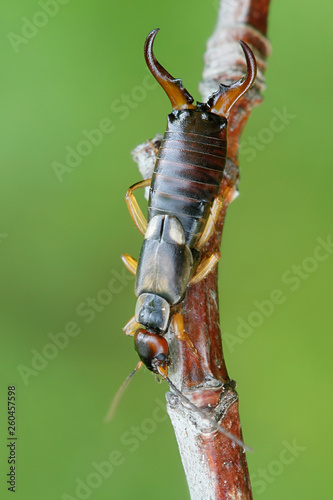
<point>189,169</point>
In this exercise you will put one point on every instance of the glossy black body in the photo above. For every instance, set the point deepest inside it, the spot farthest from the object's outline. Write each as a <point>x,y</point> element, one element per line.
<point>189,169</point>
<point>185,183</point>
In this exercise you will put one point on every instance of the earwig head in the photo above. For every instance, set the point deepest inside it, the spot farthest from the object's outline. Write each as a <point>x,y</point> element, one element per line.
<point>152,349</point>
<point>220,102</point>
<point>153,312</point>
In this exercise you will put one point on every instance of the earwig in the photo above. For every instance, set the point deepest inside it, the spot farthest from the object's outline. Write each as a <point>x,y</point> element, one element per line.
<point>183,207</point>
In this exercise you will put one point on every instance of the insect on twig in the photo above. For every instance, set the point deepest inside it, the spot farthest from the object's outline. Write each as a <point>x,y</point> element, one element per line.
<point>183,207</point>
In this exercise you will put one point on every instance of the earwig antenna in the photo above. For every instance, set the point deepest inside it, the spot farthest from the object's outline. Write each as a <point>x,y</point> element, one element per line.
<point>120,392</point>
<point>202,413</point>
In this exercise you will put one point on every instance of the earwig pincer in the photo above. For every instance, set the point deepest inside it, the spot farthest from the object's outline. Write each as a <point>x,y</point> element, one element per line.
<point>183,207</point>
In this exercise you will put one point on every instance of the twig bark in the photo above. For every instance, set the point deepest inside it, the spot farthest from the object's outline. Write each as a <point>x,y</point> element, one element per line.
<point>215,467</point>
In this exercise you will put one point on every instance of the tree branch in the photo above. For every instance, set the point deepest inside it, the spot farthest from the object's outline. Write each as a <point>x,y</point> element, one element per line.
<point>215,467</point>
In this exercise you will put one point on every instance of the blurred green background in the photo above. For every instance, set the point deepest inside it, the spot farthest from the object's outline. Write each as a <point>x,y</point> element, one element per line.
<point>62,234</point>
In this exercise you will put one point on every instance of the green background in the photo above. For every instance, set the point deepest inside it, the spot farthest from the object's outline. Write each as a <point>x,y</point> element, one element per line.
<point>60,243</point>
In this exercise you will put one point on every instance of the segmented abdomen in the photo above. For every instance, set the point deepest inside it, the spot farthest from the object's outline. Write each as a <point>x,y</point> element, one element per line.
<point>187,177</point>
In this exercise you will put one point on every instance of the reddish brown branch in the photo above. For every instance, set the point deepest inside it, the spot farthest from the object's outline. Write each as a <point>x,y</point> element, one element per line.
<point>215,467</point>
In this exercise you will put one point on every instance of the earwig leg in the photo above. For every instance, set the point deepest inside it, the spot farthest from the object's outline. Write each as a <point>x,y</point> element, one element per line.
<point>229,194</point>
<point>131,326</point>
<point>130,263</point>
<point>154,147</point>
<point>180,334</point>
<point>210,224</point>
<point>133,206</point>
<point>205,268</point>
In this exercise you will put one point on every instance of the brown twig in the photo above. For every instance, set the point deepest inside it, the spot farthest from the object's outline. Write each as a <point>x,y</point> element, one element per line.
<point>215,466</point>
